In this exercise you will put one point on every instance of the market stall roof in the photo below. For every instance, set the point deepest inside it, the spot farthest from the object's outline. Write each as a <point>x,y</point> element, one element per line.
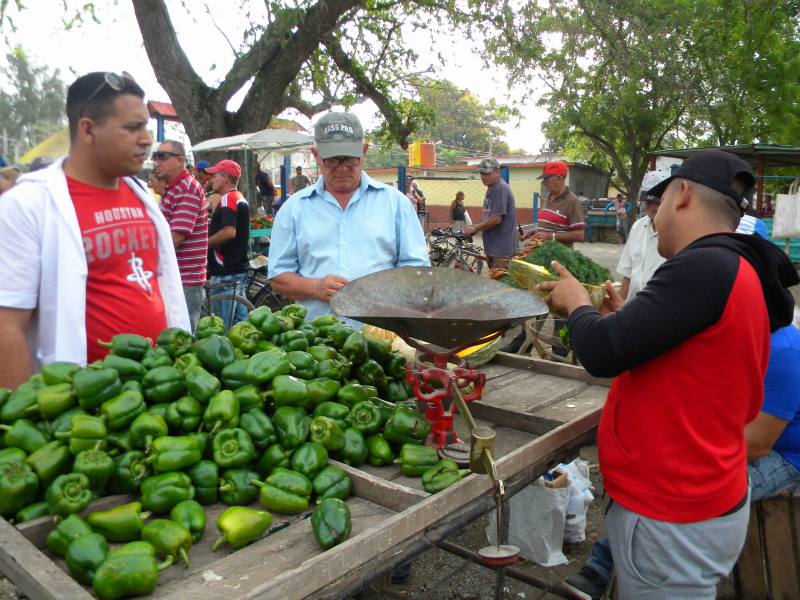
<point>56,146</point>
<point>773,155</point>
<point>276,140</point>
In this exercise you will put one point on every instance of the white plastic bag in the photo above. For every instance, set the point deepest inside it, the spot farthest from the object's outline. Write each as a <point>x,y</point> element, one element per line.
<point>536,523</point>
<point>786,223</point>
<point>580,497</point>
<point>467,218</point>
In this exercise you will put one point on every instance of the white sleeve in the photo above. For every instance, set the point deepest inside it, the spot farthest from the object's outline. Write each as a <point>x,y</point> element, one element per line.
<point>625,265</point>
<point>20,247</point>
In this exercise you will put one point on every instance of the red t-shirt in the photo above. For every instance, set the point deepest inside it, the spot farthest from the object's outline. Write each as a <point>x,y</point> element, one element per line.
<point>121,246</point>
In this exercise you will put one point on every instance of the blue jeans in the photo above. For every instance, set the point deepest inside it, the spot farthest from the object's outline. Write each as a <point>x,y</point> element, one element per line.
<point>235,286</point>
<point>768,475</point>
<point>194,302</point>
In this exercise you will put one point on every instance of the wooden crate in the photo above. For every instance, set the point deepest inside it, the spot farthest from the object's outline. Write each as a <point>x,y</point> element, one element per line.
<point>769,565</point>
<point>393,520</point>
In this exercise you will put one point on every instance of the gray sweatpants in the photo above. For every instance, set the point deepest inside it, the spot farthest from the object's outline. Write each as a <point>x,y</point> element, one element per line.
<point>656,560</point>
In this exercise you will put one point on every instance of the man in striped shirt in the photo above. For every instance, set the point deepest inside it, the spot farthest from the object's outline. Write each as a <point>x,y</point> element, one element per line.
<point>561,216</point>
<point>184,207</point>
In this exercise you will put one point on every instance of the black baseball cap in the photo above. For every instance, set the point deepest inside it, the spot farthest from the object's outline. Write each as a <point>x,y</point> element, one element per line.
<point>717,170</point>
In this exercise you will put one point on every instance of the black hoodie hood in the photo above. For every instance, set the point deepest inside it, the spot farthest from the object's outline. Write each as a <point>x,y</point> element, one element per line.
<point>773,267</point>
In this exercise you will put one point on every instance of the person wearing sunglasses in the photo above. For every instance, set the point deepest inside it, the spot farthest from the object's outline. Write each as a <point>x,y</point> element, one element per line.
<point>186,210</point>
<point>344,226</point>
<point>85,252</point>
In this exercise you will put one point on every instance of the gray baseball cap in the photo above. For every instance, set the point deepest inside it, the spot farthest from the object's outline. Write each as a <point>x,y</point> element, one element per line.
<point>488,165</point>
<point>339,134</point>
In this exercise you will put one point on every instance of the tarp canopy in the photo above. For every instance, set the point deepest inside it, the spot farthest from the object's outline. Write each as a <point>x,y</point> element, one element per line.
<point>281,141</point>
<point>56,146</point>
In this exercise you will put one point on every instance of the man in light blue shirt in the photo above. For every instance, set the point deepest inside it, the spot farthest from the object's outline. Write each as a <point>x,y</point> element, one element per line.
<point>344,226</point>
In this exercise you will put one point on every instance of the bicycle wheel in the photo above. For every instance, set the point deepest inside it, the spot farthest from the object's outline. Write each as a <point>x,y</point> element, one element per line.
<point>266,296</point>
<point>441,254</point>
<point>226,306</point>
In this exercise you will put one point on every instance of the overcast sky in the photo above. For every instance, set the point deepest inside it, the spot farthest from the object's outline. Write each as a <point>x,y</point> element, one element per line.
<point>116,45</point>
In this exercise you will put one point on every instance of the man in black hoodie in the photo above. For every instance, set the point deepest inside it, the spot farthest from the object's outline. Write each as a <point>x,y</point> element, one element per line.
<point>688,354</point>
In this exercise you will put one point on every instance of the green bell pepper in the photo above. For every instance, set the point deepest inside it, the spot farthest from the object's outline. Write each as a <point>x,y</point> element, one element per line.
<point>244,336</point>
<point>321,352</point>
<point>5,394</point>
<point>163,384</point>
<point>19,486</point>
<point>67,531</point>
<point>201,384</point>
<point>331,522</point>
<point>339,333</point>
<point>292,426</point>
<point>119,442</point>
<point>24,434</point>
<point>310,332</point>
<point>156,357</point>
<point>273,457</point>
<point>377,348</point>
<point>173,453</point>
<point>293,340</point>
<point>175,341</point>
<point>12,455</point>
<point>332,482</point>
<point>326,432</point>
<point>59,372</point>
<point>259,427</point>
<point>355,348</point>
<point>127,368</point>
<point>285,491</point>
<point>366,417</point>
<point>208,326</point>
<point>128,345</point>
<point>240,526</point>
<point>266,366</point>
<point>191,515</point>
<point>170,539</point>
<point>63,422</point>
<point>222,411</point>
<point>236,374</point>
<point>329,369</point>
<point>126,575</point>
<point>395,366</point>
<point>159,409</point>
<point>120,411</point>
<point>85,555</point>
<point>321,390</point>
<point>310,458</point>
<point>161,492</point>
<point>95,386</point>
<point>87,432</point>
<point>184,415</point>
<point>68,494</point>
<point>414,460</point>
<point>97,465</point>
<point>354,452</point>
<point>236,487</point>
<point>380,453</point>
<point>233,448</point>
<point>351,394</point>
<point>442,476</point>
<point>406,425</point>
<point>32,512</point>
<point>266,322</point>
<point>19,402</point>
<point>145,428</point>
<point>130,470</point>
<point>398,391</point>
<point>288,390</point>
<point>333,410</point>
<point>185,361</point>
<point>119,524</point>
<point>370,372</point>
<point>325,322</point>
<point>296,312</point>
<point>205,479</point>
<point>249,396</point>
<point>215,352</point>
<point>50,461</point>
<point>133,386</point>
<point>52,400</point>
<point>305,367</point>
<point>202,441</point>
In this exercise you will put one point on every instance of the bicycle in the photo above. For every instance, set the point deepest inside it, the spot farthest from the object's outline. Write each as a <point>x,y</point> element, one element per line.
<point>451,249</point>
<point>260,293</point>
<point>223,304</point>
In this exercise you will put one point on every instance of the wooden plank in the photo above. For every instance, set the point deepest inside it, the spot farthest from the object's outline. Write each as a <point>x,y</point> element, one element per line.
<point>592,397</point>
<point>780,560</point>
<point>749,575</point>
<point>528,391</point>
<point>31,571</point>
<point>512,418</point>
<point>495,371</point>
<point>548,367</point>
<point>379,491</point>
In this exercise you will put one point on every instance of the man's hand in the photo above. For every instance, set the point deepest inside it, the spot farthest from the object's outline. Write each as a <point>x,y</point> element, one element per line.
<point>567,293</point>
<point>468,230</point>
<point>539,235</point>
<point>613,301</point>
<point>326,287</point>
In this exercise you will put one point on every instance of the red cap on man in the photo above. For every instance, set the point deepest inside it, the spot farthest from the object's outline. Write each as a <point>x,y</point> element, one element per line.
<point>229,167</point>
<point>554,168</point>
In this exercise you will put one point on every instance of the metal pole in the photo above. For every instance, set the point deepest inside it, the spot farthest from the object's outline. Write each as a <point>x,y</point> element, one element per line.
<point>286,171</point>
<point>535,207</point>
<point>401,179</point>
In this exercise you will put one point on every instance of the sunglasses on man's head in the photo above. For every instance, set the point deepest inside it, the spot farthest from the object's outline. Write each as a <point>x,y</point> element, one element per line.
<point>112,80</point>
<point>163,155</point>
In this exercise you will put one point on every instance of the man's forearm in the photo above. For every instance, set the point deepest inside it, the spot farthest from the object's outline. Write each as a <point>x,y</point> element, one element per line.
<point>294,286</point>
<point>569,236</point>
<point>222,236</point>
<point>488,224</point>
<point>17,364</point>
<point>177,239</point>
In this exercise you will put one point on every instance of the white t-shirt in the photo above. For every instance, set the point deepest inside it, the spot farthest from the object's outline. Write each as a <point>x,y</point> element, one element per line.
<point>640,257</point>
